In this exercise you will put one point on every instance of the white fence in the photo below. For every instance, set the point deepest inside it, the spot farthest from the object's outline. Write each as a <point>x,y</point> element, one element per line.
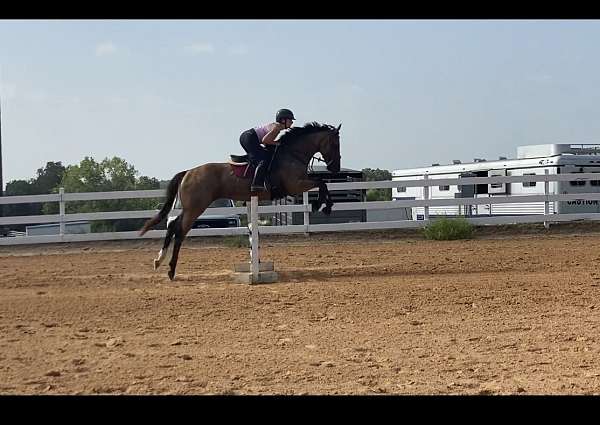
<point>62,218</point>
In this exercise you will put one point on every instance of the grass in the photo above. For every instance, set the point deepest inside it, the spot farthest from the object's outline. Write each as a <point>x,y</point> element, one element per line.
<point>238,241</point>
<point>445,229</point>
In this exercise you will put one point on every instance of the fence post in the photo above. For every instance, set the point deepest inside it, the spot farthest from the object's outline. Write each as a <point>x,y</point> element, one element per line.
<point>254,254</point>
<point>547,202</point>
<point>306,214</point>
<point>426,198</point>
<point>61,206</point>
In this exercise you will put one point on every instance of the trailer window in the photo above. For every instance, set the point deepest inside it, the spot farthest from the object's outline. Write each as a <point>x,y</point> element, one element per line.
<point>529,184</point>
<point>595,182</point>
<point>444,187</point>
<point>402,189</point>
<point>577,182</point>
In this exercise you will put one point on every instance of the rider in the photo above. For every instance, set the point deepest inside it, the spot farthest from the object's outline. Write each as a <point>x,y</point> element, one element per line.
<point>265,134</point>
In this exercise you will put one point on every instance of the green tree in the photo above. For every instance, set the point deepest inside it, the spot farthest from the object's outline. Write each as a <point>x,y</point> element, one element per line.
<point>46,181</point>
<point>20,188</point>
<point>370,174</point>
<point>49,177</point>
<point>109,175</point>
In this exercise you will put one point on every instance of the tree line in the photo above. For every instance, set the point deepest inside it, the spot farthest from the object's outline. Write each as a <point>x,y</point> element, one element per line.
<point>108,175</point>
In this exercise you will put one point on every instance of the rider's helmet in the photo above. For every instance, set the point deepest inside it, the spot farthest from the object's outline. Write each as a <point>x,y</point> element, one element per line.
<point>283,114</point>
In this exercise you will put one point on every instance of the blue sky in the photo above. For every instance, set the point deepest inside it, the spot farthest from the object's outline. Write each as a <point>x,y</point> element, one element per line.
<point>171,95</point>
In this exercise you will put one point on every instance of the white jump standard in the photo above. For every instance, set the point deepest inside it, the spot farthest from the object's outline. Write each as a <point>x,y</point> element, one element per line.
<point>254,271</point>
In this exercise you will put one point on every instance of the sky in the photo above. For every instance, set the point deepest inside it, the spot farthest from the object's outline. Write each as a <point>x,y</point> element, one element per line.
<point>169,95</point>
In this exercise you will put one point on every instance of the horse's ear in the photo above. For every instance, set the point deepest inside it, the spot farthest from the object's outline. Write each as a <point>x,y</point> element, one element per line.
<point>338,128</point>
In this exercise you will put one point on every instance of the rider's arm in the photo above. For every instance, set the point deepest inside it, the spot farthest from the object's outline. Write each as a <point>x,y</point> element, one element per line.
<point>269,138</point>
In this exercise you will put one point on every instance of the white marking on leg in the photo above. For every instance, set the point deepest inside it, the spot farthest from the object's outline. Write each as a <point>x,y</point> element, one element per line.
<point>161,256</point>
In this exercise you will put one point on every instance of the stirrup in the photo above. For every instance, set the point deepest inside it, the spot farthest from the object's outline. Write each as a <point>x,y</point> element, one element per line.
<point>239,158</point>
<point>256,188</point>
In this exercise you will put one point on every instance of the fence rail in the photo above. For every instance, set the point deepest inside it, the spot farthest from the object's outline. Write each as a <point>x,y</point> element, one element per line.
<point>305,208</point>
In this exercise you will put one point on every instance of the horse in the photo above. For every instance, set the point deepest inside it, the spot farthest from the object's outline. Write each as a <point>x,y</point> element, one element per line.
<point>198,187</point>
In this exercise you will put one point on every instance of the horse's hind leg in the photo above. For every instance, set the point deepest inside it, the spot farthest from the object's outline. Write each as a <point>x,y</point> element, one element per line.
<point>170,233</point>
<point>328,202</point>
<point>181,229</point>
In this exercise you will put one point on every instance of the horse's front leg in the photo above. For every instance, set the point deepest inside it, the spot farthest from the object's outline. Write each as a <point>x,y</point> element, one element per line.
<point>324,196</point>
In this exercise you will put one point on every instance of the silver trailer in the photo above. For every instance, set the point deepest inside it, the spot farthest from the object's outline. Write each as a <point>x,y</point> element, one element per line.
<point>73,227</point>
<point>531,160</point>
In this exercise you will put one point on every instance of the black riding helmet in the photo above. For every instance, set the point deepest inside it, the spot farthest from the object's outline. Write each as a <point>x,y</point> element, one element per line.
<point>283,114</point>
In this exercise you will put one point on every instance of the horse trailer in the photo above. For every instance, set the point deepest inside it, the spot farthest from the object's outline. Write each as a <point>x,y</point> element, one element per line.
<point>531,160</point>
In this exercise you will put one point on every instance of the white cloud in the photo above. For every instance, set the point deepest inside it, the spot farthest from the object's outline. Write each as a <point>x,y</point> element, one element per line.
<point>199,48</point>
<point>8,90</point>
<point>38,96</point>
<point>238,50</point>
<point>541,78</point>
<point>116,100</point>
<point>106,48</point>
<point>355,88</point>
<point>150,99</point>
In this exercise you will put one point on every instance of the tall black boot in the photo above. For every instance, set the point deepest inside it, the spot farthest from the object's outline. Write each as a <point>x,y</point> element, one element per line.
<point>258,184</point>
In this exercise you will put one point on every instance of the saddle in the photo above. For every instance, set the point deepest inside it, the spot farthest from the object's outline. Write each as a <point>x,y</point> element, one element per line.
<point>238,159</point>
<point>241,167</point>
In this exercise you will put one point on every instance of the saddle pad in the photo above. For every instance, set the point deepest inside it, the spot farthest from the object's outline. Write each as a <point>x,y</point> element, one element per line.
<point>242,170</point>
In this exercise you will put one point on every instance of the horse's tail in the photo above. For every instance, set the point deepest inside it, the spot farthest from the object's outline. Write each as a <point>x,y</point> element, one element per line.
<point>171,193</point>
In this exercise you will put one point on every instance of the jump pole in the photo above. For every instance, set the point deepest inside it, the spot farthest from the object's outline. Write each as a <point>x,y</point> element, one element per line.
<point>254,271</point>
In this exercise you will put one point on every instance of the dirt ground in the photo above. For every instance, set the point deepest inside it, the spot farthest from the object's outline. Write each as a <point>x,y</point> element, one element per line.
<point>513,311</point>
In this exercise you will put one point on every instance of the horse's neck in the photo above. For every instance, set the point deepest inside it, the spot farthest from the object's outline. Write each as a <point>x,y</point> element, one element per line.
<point>303,150</point>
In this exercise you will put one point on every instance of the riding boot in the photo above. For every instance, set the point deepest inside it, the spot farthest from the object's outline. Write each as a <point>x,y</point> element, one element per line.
<point>258,184</point>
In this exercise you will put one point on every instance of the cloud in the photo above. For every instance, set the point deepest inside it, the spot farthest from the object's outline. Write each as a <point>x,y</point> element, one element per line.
<point>39,96</point>
<point>356,89</point>
<point>106,48</point>
<point>541,78</point>
<point>238,50</point>
<point>199,48</point>
<point>150,99</point>
<point>8,90</point>
<point>117,100</point>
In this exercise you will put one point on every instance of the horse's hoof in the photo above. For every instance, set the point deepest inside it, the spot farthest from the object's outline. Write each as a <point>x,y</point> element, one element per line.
<point>156,264</point>
<point>327,210</point>
<point>315,207</point>
<point>171,275</point>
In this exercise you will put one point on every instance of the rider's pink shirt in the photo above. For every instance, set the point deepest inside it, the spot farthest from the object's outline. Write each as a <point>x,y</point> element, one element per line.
<point>262,130</point>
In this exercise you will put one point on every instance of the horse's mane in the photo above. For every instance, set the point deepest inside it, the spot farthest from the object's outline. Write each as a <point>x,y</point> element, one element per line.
<point>296,132</point>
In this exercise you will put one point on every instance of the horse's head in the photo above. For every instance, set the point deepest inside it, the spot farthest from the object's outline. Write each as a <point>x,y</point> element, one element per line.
<point>329,147</point>
<point>312,138</point>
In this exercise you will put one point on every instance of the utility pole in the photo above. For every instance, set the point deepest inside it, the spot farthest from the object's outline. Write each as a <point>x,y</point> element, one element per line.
<point>3,229</point>
<point>1,181</point>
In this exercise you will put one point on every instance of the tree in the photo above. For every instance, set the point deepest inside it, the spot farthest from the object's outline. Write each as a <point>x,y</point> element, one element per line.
<point>20,188</point>
<point>46,181</point>
<point>113,174</point>
<point>49,177</point>
<point>370,174</point>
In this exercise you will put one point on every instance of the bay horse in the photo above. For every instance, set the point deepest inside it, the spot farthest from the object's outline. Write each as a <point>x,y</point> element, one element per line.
<point>198,187</point>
